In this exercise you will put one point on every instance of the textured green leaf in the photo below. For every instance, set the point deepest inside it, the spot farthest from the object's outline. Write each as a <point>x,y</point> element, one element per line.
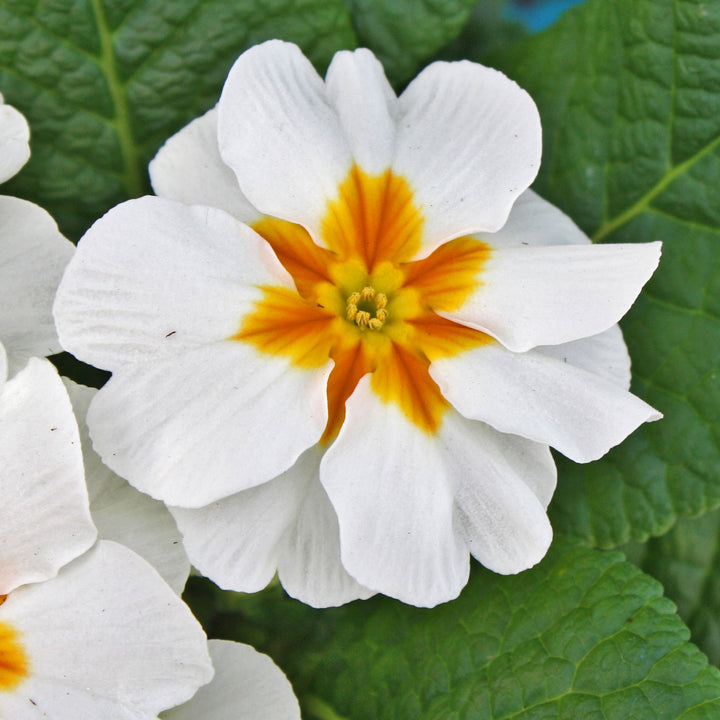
<point>105,82</point>
<point>404,33</point>
<point>583,636</point>
<point>629,94</point>
<point>687,562</point>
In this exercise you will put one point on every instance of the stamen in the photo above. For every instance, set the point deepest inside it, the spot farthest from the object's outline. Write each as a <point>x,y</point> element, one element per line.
<point>367,293</point>
<point>380,301</point>
<point>359,308</point>
<point>362,319</point>
<point>351,311</point>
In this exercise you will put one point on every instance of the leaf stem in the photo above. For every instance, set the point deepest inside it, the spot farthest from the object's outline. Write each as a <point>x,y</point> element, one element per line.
<point>320,709</point>
<point>132,176</point>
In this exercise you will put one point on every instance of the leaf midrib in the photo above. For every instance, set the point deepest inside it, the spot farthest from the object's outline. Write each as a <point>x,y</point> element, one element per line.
<point>131,176</point>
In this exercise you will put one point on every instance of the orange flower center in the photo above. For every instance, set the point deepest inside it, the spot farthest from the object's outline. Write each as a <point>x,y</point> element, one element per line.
<point>14,665</point>
<point>363,302</point>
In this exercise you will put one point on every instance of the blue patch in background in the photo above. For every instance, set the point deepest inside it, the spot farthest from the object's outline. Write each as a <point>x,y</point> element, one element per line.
<point>538,14</point>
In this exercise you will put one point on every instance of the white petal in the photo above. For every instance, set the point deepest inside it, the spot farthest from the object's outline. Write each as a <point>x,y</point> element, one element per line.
<point>44,515</point>
<point>394,501</point>
<point>237,541</point>
<point>105,639</point>
<point>155,278</point>
<point>208,423</point>
<point>124,515</point>
<point>604,354</point>
<point>188,168</point>
<point>33,257</point>
<point>280,135</point>
<point>534,221</point>
<point>504,485</point>
<point>469,143</point>
<point>247,686</point>
<point>14,137</point>
<point>541,398</point>
<point>3,366</point>
<point>310,568</point>
<point>529,296</point>
<point>366,105</point>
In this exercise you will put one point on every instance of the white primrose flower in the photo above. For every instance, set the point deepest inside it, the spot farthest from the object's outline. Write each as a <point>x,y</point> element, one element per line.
<point>87,630</point>
<point>247,685</point>
<point>33,256</point>
<point>333,353</point>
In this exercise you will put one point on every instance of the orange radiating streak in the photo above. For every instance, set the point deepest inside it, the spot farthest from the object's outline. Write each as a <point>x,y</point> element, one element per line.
<point>14,664</point>
<point>437,337</point>
<point>300,256</point>
<point>285,324</point>
<point>402,377</point>
<point>373,218</point>
<point>446,277</point>
<point>351,363</point>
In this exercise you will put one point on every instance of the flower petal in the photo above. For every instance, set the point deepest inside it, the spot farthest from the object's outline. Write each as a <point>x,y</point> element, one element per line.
<point>194,428</point>
<point>534,221</point>
<point>246,685</point>
<point>188,168</point>
<point>529,296</point>
<point>123,514</point>
<point>280,135</point>
<point>504,485</point>
<point>469,142</point>
<point>105,639</point>
<point>541,398</point>
<point>237,541</point>
<point>33,257</point>
<point>604,354</point>
<point>389,486</point>
<point>366,106</point>
<point>14,137</point>
<point>45,516</point>
<point>310,568</point>
<point>155,278</point>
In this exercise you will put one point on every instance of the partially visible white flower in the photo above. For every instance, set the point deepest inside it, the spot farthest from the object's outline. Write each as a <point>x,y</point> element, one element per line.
<point>125,515</point>
<point>348,362</point>
<point>84,634</point>
<point>14,140</point>
<point>247,686</point>
<point>33,256</point>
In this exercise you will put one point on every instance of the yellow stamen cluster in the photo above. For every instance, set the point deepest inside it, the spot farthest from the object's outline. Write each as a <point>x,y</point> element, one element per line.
<point>363,316</point>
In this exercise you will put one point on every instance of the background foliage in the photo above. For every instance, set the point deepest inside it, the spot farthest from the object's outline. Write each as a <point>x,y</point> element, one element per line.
<point>629,94</point>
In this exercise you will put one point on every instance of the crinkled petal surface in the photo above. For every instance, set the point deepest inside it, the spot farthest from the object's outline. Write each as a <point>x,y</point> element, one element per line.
<point>469,143</point>
<point>44,515</point>
<point>504,485</point>
<point>14,137</point>
<point>155,278</point>
<point>207,423</point>
<point>33,257</point>
<point>188,168</point>
<point>529,296</point>
<point>280,135</point>
<point>247,686</point>
<point>106,638</point>
<point>542,398</point>
<point>125,515</point>
<point>388,483</point>
<point>310,567</point>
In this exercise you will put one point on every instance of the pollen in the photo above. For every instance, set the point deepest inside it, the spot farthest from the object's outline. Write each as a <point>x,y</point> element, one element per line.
<point>367,308</point>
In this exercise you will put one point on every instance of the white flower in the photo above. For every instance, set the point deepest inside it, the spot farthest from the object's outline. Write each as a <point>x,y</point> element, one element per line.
<point>33,256</point>
<point>84,634</point>
<point>246,685</point>
<point>360,389</point>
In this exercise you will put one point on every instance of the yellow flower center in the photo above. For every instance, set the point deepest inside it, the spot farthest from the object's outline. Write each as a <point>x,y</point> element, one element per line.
<point>14,665</point>
<point>363,302</point>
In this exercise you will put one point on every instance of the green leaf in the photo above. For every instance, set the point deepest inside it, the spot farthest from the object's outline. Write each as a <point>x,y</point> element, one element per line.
<point>103,83</point>
<point>584,635</point>
<point>629,94</point>
<point>687,562</point>
<point>405,33</point>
